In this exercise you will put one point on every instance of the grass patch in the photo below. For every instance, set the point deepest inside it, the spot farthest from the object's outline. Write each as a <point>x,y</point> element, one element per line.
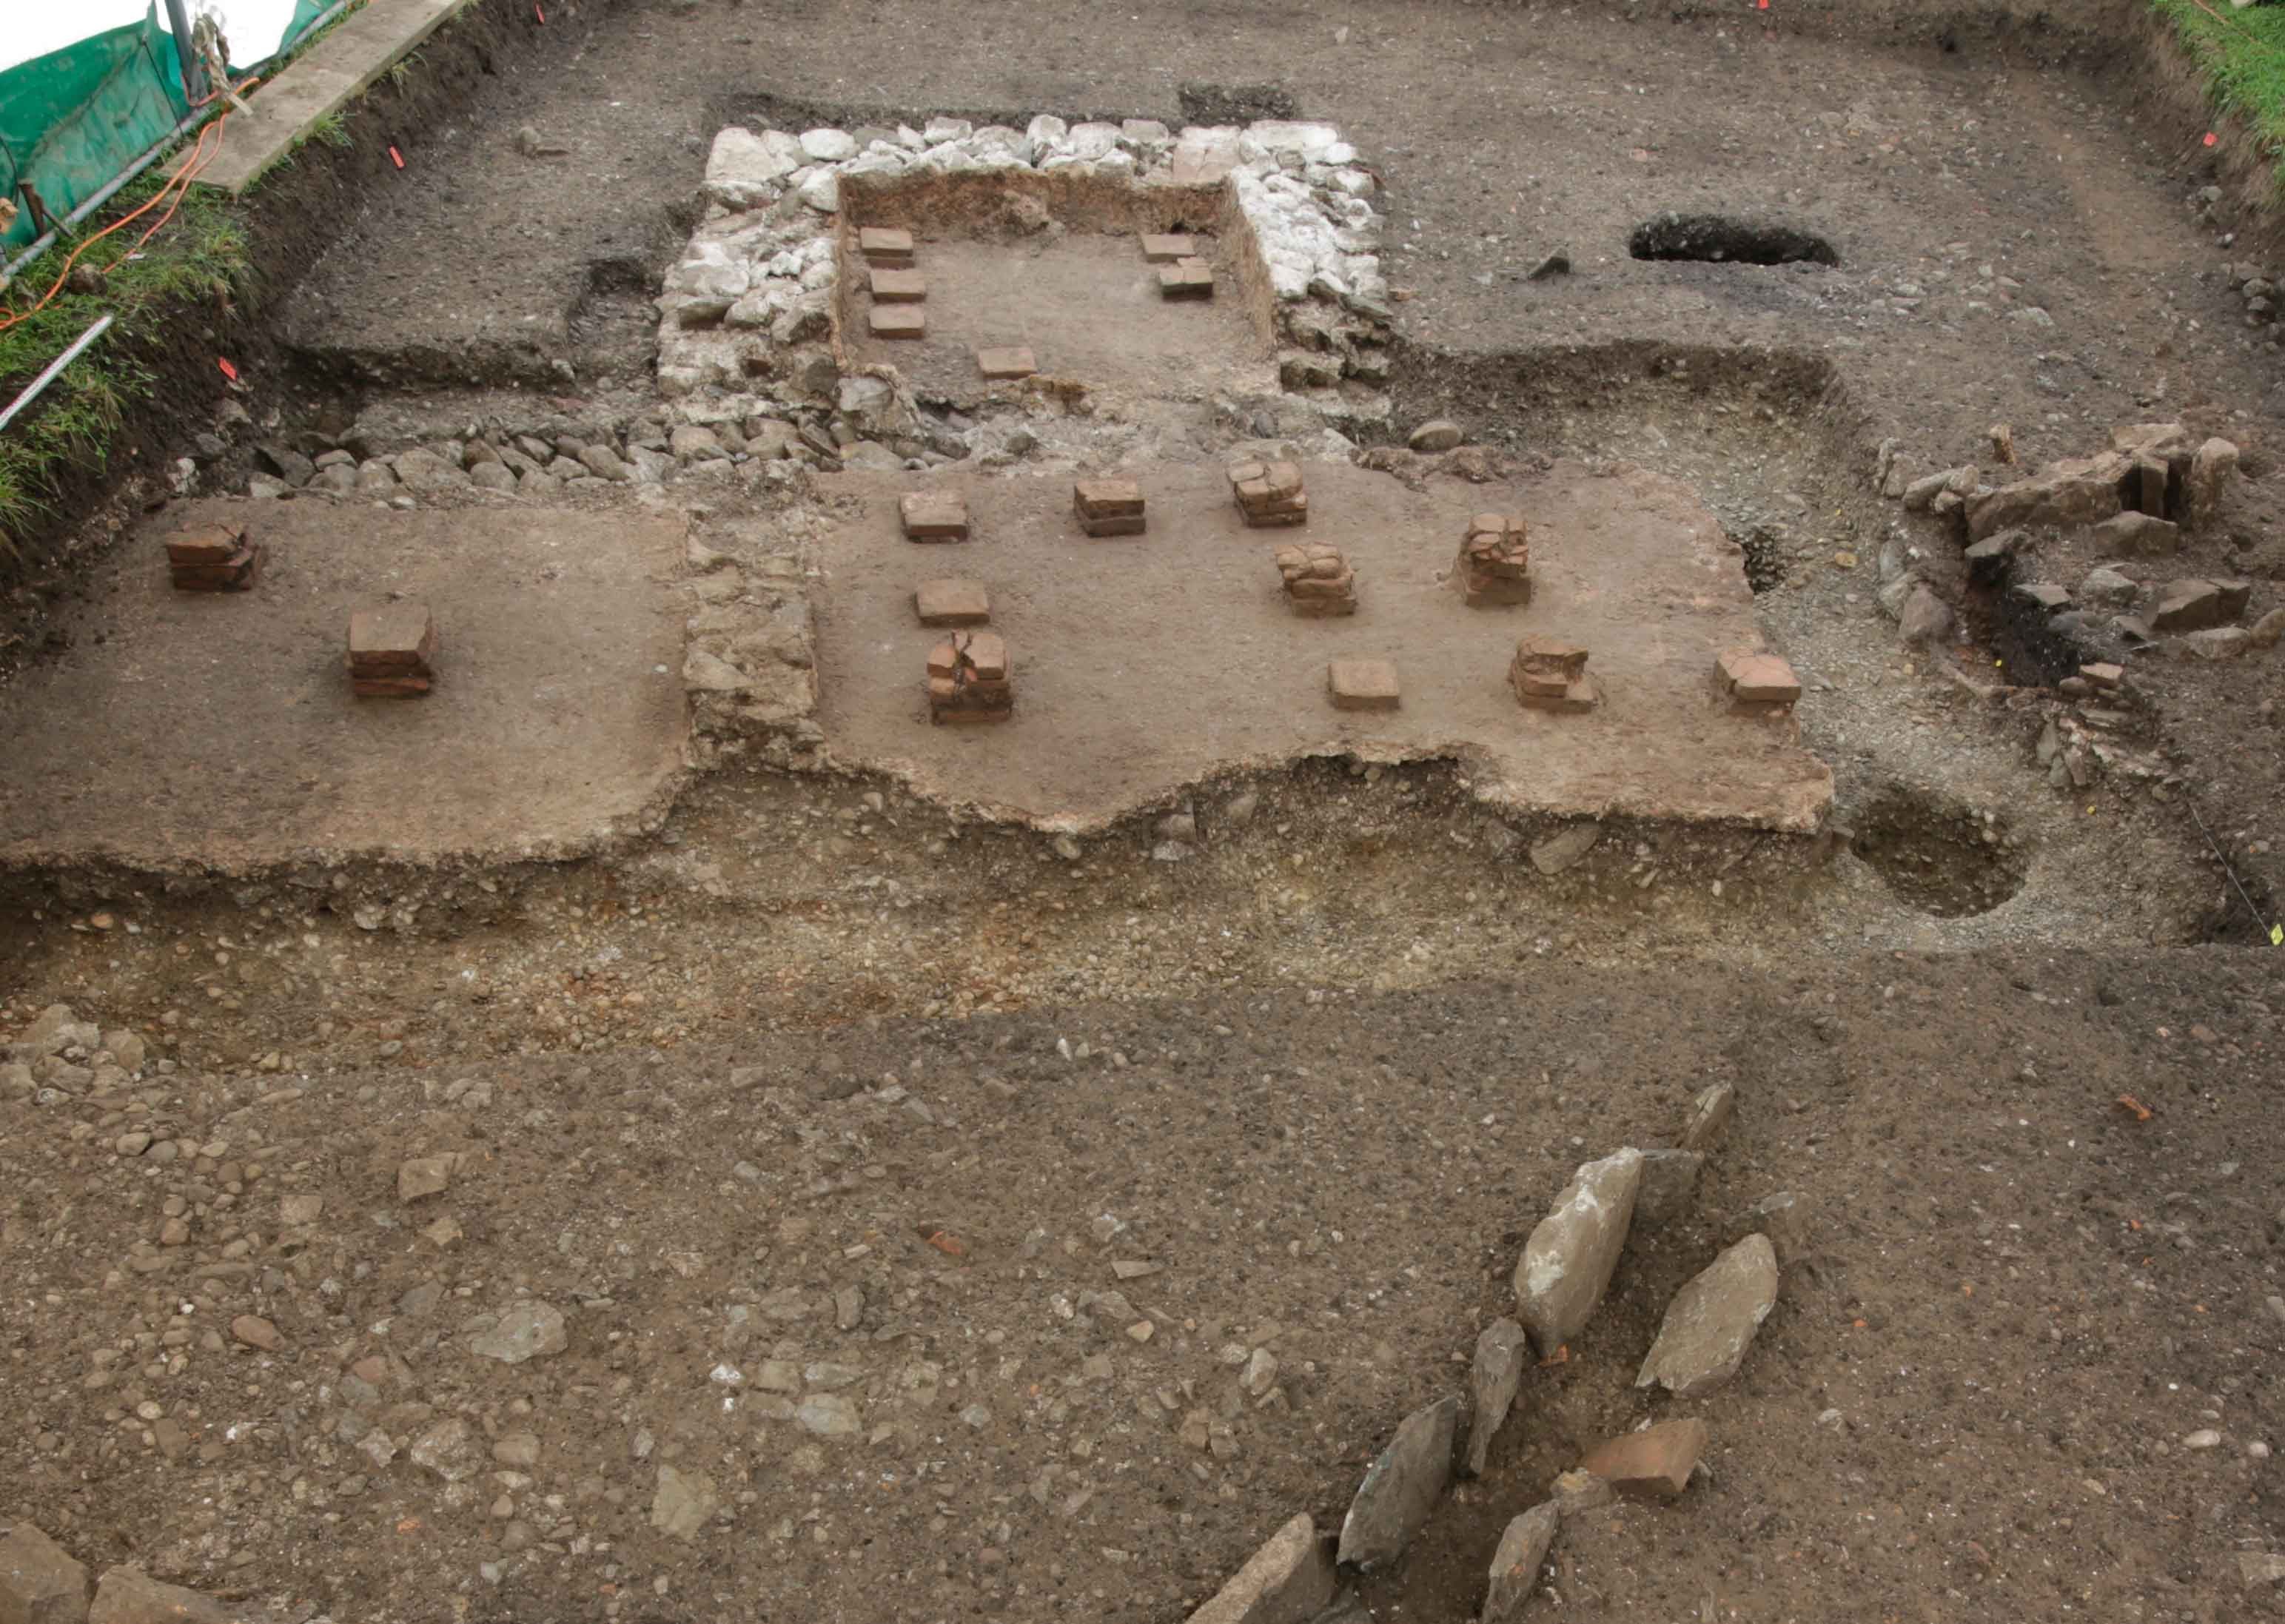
<point>2243,56</point>
<point>199,257</point>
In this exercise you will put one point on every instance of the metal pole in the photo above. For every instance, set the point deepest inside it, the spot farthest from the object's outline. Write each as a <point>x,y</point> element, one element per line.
<point>55,369</point>
<point>194,76</point>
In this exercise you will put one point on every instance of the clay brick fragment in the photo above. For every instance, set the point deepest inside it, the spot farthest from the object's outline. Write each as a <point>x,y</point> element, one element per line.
<point>1655,1464</point>
<point>390,650</point>
<point>1269,494</point>
<point>1495,563</point>
<point>933,515</point>
<point>886,246</point>
<point>1548,674</point>
<point>1756,678</point>
<point>213,558</point>
<point>895,286</point>
<point>205,543</point>
<point>969,679</point>
<point>1109,506</point>
<point>1187,278</point>
<point>1014,362</point>
<point>1167,247</point>
<point>1318,580</point>
<point>1362,684</point>
<point>897,321</point>
<point>955,601</point>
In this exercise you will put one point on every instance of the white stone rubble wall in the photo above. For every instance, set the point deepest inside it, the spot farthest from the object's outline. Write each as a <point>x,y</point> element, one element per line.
<point>762,264</point>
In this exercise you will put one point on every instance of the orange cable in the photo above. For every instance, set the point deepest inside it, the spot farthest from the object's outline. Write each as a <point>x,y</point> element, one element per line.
<point>179,183</point>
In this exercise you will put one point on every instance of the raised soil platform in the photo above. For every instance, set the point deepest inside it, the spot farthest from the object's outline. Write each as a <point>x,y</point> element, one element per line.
<point>1146,662</point>
<point>218,729</point>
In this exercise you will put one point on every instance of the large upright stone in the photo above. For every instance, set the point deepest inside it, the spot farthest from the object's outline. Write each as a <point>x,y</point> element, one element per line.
<point>2211,467</point>
<point>1515,1564</point>
<point>1288,1581</point>
<point>1711,1322</point>
<point>1501,1352</point>
<point>2188,604</point>
<point>2075,490</point>
<point>744,169</point>
<point>40,1583</point>
<point>1403,1488</point>
<point>1567,1262</point>
<point>129,1595</point>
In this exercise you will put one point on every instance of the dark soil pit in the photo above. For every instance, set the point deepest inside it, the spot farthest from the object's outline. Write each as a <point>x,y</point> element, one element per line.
<point>1950,862</point>
<point>1720,239</point>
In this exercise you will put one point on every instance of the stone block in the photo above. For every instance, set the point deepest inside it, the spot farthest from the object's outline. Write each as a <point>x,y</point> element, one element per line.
<point>1187,278</point>
<point>40,1582</point>
<point>1169,247</point>
<point>1710,1117</point>
<point>893,285</point>
<point>1318,581</point>
<point>129,1595</point>
<point>897,321</point>
<point>1515,1564</point>
<point>1567,1261</point>
<point>2188,604</point>
<point>1010,362</point>
<point>1756,678</point>
<point>953,601</point>
<point>890,246</point>
<point>1655,1464</point>
<point>1109,506</point>
<point>1362,684</point>
<point>2128,533</point>
<point>1288,1581</point>
<point>1401,1487</point>
<point>2042,595</point>
<point>933,515</point>
<point>205,543</point>
<point>1712,1321</point>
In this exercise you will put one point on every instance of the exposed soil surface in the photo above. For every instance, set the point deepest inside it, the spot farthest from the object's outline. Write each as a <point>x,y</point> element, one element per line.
<point>822,1114</point>
<point>1088,306</point>
<point>1146,662</point>
<point>228,735</point>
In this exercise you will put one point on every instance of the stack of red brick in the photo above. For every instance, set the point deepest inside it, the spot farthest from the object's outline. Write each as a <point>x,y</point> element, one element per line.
<point>390,649</point>
<point>213,558</point>
<point>1495,565</point>
<point>1318,580</point>
<point>969,679</point>
<point>1109,506</point>
<point>1269,494</point>
<point>1551,675</point>
<point>1183,272</point>
<point>1754,680</point>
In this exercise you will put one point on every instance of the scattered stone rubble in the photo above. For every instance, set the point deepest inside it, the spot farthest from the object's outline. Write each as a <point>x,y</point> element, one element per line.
<point>1318,580</point>
<point>41,1583</point>
<point>213,558</point>
<point>1495,562</point>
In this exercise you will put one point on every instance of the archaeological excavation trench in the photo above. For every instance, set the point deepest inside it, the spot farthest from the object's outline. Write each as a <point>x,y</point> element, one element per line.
<point>989,863</point>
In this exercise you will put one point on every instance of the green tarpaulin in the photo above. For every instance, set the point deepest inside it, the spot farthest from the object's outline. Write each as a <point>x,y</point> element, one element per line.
<point>73,117</point>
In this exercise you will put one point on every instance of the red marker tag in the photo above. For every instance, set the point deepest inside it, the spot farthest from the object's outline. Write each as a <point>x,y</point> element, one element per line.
<point>536,11</point>
<point>396,157</point>
<point>228,371</point>
<point>2209,138</point>
<point>1762,5</point>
